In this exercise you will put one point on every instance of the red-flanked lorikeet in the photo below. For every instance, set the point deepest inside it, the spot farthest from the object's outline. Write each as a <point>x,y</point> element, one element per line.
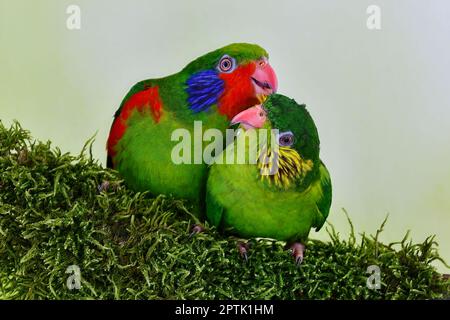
<point>281,198</point>
<point>212,89</point>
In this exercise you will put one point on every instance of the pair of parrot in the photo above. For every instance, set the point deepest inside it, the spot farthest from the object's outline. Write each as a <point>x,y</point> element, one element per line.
<point>232,85</point>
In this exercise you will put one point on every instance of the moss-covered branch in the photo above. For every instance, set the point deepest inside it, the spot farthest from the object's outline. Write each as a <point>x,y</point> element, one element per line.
<point>131,246</point>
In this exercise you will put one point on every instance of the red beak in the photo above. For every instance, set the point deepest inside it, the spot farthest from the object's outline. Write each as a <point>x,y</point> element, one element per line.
<point>264,78</point>
<point>253,117</point>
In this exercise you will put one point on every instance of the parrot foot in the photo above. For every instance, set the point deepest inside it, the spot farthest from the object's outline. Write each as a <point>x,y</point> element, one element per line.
<point>297,251</point>
<point>106,185</point>
<point>243,248</point>
<point>197,228</point>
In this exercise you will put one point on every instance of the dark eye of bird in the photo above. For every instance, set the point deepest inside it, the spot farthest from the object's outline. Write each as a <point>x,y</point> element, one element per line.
<point>286,140</point>
<point>226,64</point>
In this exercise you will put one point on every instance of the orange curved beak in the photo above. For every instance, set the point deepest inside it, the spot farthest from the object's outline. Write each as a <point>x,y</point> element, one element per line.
<point>253,117</point>
<point>264,78</point>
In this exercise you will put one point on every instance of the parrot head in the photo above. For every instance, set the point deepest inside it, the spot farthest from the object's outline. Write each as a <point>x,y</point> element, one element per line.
<point>297,139</point>
<point>234,78</point>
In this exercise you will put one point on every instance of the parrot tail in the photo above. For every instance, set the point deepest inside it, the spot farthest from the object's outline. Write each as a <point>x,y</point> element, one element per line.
<point>109,162</point>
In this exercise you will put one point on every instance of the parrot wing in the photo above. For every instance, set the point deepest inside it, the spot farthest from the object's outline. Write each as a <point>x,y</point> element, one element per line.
<point>214,209</point>
<point>143,95</point>
<point>324,202</point>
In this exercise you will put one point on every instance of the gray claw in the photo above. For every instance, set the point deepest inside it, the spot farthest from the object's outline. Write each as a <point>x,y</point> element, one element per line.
<point>243,250</point>
<point>197,228</point>
<point>298,250</point>
<point>103,187</point>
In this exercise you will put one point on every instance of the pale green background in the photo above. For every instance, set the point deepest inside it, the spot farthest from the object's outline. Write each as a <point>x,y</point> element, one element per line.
<point>380,98</point>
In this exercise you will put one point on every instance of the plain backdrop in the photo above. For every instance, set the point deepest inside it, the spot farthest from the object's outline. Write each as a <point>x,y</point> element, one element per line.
<point>380,98</point>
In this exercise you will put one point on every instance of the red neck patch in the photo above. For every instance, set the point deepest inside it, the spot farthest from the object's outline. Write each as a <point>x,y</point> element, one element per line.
<point>141,101</point>
<point>239,93</point>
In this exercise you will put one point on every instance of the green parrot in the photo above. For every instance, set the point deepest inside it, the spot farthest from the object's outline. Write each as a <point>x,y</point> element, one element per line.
<point>281,195</point>
<point>211,89</point>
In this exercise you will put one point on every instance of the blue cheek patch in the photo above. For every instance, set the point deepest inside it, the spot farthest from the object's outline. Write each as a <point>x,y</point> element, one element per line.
<point>204,89</point>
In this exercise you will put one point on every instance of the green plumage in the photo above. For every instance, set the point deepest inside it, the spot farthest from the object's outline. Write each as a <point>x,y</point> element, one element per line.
<point>238,199</point>
<point>144,152</point>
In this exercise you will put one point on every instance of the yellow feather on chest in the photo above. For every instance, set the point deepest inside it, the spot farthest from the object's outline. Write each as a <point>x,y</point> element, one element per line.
<point>282,168</point>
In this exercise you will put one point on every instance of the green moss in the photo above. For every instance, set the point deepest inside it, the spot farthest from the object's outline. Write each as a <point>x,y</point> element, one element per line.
<point>131,246</point>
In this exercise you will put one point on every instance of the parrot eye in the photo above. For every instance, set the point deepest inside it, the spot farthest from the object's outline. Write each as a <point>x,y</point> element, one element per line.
<point>226,64</point>
<point>286,139</point>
